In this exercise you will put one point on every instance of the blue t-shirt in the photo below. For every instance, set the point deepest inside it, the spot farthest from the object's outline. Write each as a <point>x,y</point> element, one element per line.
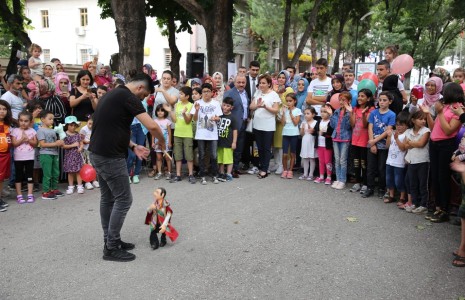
<point>380,123</point>
<point>289,128</point>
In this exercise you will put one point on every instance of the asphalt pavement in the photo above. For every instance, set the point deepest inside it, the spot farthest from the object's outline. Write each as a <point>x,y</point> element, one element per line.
<point>247,239</point>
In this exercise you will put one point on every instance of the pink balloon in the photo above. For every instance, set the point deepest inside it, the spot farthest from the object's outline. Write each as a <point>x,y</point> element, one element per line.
<point>463,86</point>
<point>402,64</point>
<point>334,101</point>
<point>369,75</point>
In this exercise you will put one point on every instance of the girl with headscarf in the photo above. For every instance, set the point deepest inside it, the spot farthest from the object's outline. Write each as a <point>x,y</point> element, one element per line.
<point>337,82</point>
<point>283,89</point>
<point>432,94</point>
<point>390,85</point>
<point>302,86</point>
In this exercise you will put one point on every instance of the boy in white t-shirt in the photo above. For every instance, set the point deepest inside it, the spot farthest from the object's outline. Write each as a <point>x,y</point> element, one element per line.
<point>206,113</point>
<point>319,87</point>
<point>86,132</point>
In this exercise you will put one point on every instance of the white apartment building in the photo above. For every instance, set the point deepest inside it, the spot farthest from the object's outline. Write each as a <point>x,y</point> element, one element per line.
<point>73,31</point>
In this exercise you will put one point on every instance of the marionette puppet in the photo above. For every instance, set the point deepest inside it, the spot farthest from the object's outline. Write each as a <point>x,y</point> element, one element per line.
<point>159,215</point>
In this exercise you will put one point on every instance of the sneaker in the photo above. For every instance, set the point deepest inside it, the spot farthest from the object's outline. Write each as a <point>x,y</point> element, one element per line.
<point>340,186</point>
<point>175,179</point>
<point>135,179</point>
<point>229,177</point>
<point>96,184</point>
<point>280,170</point>
<point>410,208</point>
<point>303,177</point>
<point>253,171</point>
<point>3,203</point>
<point>215,180</point>
<point>20,199</point>
<point>318,180</point>
<point>335,183</point>
<point>48,196</point>
<point>130,181</point>
<point>440,217</point>
<point>36,187</point>
<point>167,175</point>
<point>310,178</point>
<point>355,188</point>
<point>126,246</point>
<point>3,208</point>
<point>368,193</point>
<point>420,210</point>
<point>222,177</point>
<point>158,176</point>
<point>363,189</point>
<point>58,193</point>
<point>117,254</point>
<point>89,186</point>
<point>70,190</point>
<point>381,194</point>
<point>192,179</point>
<point>429,215</point>
<point>203,181</point>
<point>30,199</point>
<point>328,181</point>
<point>80,189</point>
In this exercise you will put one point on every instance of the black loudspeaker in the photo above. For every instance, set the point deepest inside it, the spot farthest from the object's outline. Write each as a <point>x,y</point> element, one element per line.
<point>194,64</point>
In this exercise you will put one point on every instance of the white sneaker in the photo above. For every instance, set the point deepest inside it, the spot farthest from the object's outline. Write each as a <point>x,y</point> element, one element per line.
<point>340,186</point>
<point>280,170</point>
<point>168,176</point>
<point>80,189</point>
<point>253,171</point>
<point>89,186</point>
<point>420,210</point>
<point>410,209</point>
<point>203,181</point>
<point>335,184</point>
<point>215,180</point>
<point>70,190</point>
<point>96,184</point>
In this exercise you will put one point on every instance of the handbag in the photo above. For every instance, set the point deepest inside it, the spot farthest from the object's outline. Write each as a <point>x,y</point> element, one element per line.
<point>249,127</point>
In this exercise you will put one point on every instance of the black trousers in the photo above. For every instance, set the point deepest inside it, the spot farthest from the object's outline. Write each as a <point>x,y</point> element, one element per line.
<point>154,237</point>
<point>440,153</point>
<point>377,165</point>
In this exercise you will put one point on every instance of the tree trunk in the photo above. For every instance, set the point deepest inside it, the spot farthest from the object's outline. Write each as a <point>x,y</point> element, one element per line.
<point>340,34</point>
<point>313,51</point>
<point>308,31</point>
<point>285,46</point>
<point>175,54</point>
<point>217,21</point>
<point>130,32</point>
<point>12,63</point>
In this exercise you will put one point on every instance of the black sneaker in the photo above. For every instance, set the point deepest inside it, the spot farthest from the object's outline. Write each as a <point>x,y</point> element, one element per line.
<point>175,179</point>
<point>222,177</point>
<point>3,203</point>
<point>36,187</point>
<point>381,194</point>
<point>2,208</point>
<point>126,246</point>
<point>367,193</point>
<point>117,254</point>
<point>429,215</point>
<point>441,217</point>
<point>192,179</point>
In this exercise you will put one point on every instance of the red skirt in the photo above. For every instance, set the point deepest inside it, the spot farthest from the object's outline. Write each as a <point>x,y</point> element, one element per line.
<point>5,165</point>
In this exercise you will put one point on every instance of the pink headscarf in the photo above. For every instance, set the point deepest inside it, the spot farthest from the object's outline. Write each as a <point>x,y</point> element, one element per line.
<point>42,88</point>
<point>60,76</point>
<point>431,99</point>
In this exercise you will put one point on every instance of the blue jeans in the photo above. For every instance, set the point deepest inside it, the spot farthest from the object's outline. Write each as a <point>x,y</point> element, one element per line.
<point>341,151</point>
<point>213,148</point>
<point>239,145</point>
<point>115,196</point>
<point>138,137</point>
<point>395,178</point>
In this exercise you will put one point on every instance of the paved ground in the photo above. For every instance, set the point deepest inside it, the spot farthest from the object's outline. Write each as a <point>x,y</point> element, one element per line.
<point>249,239</point>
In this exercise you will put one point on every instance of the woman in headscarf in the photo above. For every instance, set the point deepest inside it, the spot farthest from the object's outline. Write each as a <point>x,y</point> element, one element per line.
<point>62,89</point>
<point>218,87</point>
<point>49,71</point>
<point>44,91</point>
<point>390,85</point>
<point>302,86</point>
<point>337,82</point>
<point>432,94</point>
<point>101,78</point>
<point>283,89</point>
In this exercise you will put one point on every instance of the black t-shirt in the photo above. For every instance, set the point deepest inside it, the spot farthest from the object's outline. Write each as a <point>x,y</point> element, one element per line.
<point>112,122</point>
<point>84,109</point>
<point>226,126</point>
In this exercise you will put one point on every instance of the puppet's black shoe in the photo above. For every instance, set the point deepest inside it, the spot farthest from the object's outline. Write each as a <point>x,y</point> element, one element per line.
<point>117,254</point>
<point>163,240</point>
<point>154,246</point>
<point>126,246</point>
